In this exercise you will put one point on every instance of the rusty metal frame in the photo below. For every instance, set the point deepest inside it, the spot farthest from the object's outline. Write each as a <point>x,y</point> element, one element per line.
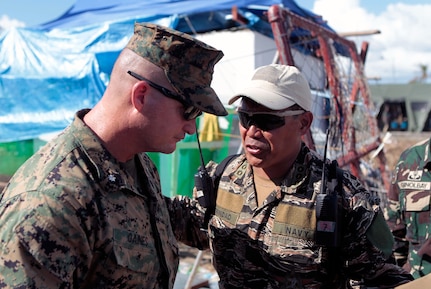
<point>282,22</point>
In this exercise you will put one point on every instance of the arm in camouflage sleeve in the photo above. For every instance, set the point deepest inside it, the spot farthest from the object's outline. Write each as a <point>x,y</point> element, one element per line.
<point>187,219</point>
<point>394,215</point>
<point>395,219</point>
<point>385,274</point>
<point>47,249</point>
<point>368,242</point>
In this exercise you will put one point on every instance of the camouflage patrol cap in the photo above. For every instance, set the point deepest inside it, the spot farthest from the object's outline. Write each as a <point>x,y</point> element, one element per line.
<point>188,63</point>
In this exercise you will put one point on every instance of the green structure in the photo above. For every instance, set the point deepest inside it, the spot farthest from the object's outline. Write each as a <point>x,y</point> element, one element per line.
<point>403,107</point>
<point>176,170</point>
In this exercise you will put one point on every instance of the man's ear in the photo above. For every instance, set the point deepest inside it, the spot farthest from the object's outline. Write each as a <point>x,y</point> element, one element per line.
<point>139,91</point>
<point>306,120</point>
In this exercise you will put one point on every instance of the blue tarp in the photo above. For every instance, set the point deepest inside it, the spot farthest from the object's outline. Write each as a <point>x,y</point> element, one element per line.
<point>49,72</point>
<point>84,13</point>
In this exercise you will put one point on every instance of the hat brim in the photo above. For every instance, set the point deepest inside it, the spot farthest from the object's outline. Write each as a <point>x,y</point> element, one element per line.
<point>212,102</point>
<point>201,96</point>
<point>264,97</point>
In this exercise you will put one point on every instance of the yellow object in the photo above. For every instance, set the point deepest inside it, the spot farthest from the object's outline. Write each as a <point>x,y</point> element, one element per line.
<point>210,128</point>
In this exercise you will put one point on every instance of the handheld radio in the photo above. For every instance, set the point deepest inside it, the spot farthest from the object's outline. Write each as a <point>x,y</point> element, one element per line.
<point>205,187</point>
<point>327,213</point>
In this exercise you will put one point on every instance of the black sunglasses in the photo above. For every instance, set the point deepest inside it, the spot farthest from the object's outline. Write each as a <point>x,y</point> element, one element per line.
<point>265,121</point>
<point>190,112</point>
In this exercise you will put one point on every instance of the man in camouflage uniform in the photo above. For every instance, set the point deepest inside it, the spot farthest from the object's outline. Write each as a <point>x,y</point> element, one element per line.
<point>409,214</point>
<point>86,211</point>
<point>264,233</point>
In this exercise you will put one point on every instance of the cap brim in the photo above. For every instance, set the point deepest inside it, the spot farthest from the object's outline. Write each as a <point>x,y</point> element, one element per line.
<point>201,96</point>
<point>212,103</point>
<point>264,97</point>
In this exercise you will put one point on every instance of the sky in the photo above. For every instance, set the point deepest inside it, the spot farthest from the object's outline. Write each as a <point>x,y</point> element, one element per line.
<point>395,55</point>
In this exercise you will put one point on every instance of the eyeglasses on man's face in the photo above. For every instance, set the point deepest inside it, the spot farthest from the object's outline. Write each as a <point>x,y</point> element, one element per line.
<point>190,112</point>
<point>265,121</point>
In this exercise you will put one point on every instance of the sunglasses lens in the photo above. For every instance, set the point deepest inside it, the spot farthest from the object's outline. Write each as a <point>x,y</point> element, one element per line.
<point>265,122</point>
<point>191,112</point>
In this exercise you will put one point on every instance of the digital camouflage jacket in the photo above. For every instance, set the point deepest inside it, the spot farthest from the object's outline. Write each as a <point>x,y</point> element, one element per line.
<point>409,214</point>
<point>274,246</point>
<point>72,217</point>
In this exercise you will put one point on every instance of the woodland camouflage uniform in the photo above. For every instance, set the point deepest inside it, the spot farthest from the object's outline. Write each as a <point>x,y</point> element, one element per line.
<point>83,218</point>
<point>409,214</point>
<point>74,217</point>
<point>273,246</point>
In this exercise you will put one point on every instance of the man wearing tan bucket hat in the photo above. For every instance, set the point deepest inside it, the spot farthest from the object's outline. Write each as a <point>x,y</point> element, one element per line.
<point>86,211</point>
